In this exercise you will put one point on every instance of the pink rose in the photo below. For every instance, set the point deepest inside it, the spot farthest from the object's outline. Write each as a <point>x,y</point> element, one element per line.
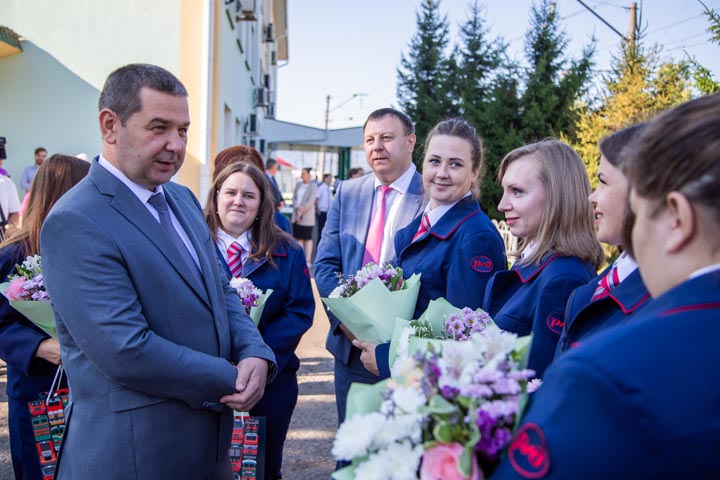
<point>15,290</point>
<point>441,462</point>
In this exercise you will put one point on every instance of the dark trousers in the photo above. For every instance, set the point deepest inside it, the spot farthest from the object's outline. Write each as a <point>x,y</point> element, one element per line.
<point>277,407</point>
<point>321,219</point>
<point>23,450</point>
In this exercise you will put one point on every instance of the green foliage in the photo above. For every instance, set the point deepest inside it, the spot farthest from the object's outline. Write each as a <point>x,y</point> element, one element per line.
<point>425,74</point>
<point>704,81</point>
<point>553,83</point>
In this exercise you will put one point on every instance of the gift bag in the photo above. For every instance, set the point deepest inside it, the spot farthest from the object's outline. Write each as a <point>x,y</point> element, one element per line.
<point>247,447</point>
<point>47,414</point>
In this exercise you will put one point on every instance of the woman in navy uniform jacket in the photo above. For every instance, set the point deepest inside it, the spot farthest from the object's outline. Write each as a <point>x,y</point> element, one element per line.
<point>618,292</point>
<point>31,355</point>
<point>453,244</point>
<point>247,154</point>
<point>545,191</point>
<point>239,211</point>
<point>640,400</point>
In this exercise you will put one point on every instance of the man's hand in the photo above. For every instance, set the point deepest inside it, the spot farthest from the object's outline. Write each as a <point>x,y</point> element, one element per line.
<point>249,384</point>
<point>49,350</point>
<point>367,357</point>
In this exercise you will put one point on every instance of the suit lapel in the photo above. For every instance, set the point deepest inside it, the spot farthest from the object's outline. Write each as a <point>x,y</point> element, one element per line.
<point>130,207</point>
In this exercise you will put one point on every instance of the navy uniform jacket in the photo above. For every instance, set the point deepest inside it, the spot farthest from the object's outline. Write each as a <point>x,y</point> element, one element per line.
<point>584,318</point>
<point>27,375</point>
<point>456,259</point>
<point>531,299</point>
<point>637,401</point>
<point>288,312</point>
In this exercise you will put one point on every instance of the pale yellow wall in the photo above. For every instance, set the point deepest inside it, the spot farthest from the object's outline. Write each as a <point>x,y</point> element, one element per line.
<point>191,64</point>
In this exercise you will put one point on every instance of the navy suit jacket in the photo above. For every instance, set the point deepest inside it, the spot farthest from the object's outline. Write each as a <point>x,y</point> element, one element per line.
<point>148,350</point>
<point>288,312</point>
<point>585,318</point>
<point>638,400</point>
<point>27,375</point>
<point>531,299</point>
<point>342,246</point>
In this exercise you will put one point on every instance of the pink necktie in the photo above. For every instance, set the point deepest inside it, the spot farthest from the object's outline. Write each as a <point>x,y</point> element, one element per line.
<point>606,284</point>
<point>373,244</point>
<point>424,227</point>
<point>234,252</point>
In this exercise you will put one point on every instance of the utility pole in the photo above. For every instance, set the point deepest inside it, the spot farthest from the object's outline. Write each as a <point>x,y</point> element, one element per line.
<point>321,172</point>
<point>633,24</point>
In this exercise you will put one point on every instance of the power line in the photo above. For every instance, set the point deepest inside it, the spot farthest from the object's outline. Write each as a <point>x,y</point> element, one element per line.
<point>673,24</point>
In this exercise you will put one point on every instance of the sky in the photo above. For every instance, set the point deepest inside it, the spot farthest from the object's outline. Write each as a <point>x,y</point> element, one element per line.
<point>351,49</point>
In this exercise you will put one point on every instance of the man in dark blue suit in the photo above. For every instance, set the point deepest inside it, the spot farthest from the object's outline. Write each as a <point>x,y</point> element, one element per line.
<point>348,242</point>
<point>155,343</point>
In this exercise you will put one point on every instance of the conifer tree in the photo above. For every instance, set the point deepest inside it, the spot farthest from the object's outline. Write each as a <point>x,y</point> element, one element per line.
<point>425,73</point>
<point>553,83</point>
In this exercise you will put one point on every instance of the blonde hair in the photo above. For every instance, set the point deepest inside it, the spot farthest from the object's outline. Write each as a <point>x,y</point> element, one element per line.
<point>566,225</point>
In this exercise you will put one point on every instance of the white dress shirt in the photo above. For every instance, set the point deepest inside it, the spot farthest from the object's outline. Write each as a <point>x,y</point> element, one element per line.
<point>392,204</point>
<point>224,240</point>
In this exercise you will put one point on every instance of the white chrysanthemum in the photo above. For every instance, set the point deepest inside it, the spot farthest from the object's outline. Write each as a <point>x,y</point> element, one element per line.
<point>338,291</point>
<point>408,399</point>
<point>397,428</point>
<point>458,364</point>
<point>495,341</point>
<point>377,467</point>
<point>400,461</point>
<point>355,436</point>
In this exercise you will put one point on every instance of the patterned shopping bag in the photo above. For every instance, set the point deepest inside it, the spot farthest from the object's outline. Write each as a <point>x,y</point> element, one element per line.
<point>247,448</point>
<point>47,414</point>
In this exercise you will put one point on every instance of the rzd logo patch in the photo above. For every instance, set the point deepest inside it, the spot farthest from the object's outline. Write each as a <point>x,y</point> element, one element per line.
<point>528,452</point>
<point>556,321</point>
<point>482,264</point>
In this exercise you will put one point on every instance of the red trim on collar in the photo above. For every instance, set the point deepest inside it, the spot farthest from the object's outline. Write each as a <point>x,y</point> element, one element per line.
<point>280,251</point>
<point>457,225</point>
<point>539,268</point>
<point>690,308</point>
<point>631,309</point>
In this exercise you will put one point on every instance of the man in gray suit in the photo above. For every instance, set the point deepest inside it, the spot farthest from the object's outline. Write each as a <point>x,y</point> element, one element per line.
<point>156,345</point>
<point>348,236</point>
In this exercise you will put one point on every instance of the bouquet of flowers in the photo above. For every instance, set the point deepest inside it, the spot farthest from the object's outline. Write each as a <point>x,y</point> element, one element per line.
<point>368,302</point>
<point>447,415</point>
<point>439,323</point>
<point>26,293</point>
<point>251,297</point>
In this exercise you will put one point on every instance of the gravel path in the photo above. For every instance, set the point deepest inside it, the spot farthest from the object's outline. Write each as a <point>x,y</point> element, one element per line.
<point>307,449</point>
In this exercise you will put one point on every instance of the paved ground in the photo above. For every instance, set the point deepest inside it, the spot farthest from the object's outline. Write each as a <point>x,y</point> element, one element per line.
<point>307,450</point>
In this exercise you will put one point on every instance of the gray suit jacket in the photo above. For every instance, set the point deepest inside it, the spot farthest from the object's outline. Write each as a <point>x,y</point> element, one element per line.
<point>342,246</point>
<point>147,350</point>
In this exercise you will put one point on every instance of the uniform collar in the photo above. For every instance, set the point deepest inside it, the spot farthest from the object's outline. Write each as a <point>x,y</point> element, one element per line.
<point>630,293</point>
<point>528,272</point>
<point>455,216</point>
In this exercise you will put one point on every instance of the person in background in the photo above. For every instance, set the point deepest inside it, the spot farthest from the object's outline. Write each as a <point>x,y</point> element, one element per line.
<point>157,347</point>
<point>29,172</point>
<point>9,207</point>
<point>356,172</point>
<point>239,212</point>
<point>545,202</point>
<point>323,201</point>
<point>246,154</point>
<point>453,244</point>
<point>364,217</point>
<point>303,218</point>
<point>618,292</point>
<point>640,400</point>
<point>271,169</point>
<point>31,355</point>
